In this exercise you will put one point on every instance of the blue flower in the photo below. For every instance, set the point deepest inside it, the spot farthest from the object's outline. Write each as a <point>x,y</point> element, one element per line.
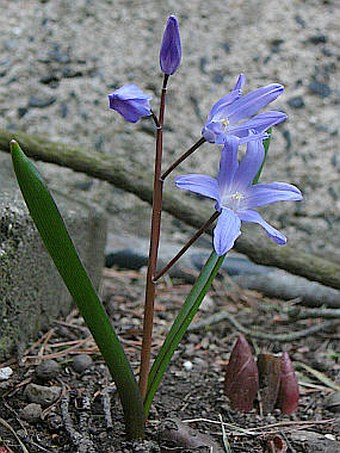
<point>131,102</point>
<point>228,114</point>
<point>235,195</point>
<point>171,49</point>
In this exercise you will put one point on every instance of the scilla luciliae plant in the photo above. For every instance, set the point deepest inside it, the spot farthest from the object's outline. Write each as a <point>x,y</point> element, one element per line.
<point>232,121</point>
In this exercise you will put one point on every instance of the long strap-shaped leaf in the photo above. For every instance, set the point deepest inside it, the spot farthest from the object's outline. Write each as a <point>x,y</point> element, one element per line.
<point>55,236</point>
<point>180,325</point>
<point>187,312</point>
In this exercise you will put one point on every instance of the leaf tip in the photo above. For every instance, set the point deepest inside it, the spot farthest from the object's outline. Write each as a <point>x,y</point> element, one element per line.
<point>14,146</point>
<point>288,398</point>
<point>241,377</point>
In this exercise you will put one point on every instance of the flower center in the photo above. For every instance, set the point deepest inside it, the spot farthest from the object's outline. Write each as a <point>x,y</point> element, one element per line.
<point>237,196</point>
<point>225,123</point>
<point>233,201</point>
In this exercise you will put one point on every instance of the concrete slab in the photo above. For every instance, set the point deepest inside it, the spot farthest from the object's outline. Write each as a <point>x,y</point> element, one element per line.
<point>32,293</point>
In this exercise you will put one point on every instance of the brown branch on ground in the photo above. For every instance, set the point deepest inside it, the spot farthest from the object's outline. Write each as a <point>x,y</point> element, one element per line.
<point>135,178</point>
<point>304,313</point>
<point>292,336</point>
<point>235,430</point>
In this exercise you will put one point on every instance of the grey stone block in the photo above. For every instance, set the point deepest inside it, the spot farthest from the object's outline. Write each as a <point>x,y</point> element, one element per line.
<point>32,293</point>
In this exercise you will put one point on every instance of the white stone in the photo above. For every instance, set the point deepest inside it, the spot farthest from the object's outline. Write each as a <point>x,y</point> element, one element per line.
<point>5,373</point>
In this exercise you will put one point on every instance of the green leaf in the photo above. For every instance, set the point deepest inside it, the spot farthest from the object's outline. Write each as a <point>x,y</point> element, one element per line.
<point>180,325</point>
<point>59,245</point>
<point>266,144</point>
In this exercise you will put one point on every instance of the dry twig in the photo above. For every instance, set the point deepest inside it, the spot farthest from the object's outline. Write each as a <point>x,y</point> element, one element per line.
<point>9,427</point>
<point>272,428</point>
<point>292,336</point>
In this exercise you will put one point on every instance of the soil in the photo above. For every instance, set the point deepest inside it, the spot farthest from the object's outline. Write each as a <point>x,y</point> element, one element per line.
<point>87,415</point>
<point>60,59</point>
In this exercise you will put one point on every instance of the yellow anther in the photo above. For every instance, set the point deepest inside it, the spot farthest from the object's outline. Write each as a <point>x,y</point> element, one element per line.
<point>225,122</point>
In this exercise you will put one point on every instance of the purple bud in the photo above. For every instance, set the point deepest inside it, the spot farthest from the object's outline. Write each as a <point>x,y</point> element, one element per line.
<point>288,398</point>
<point>131,102</point>
<point>171,49</point>
<point>241,378</point>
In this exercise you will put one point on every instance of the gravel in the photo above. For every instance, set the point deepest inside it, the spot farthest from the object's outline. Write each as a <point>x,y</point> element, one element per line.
<point>60,59</point>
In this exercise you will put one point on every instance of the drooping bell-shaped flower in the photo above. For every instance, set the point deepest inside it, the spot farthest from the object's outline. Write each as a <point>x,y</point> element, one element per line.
<point>234,114</point>
<point>235,195</point>
<point>131,102</point>
<point>171,49</point>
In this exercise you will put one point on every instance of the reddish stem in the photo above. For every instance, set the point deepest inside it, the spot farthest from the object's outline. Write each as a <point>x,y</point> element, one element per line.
<point>186,246</point>
<point>183,157</point>
<point>150,291</point>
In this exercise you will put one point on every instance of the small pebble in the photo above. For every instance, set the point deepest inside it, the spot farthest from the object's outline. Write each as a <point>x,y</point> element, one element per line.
<point>319,88</point>
<point>330,437</point>
<point>59,56</point>
<point>31,413</point>
<point>82,362</point>
<point>296,102</point>
<point>40,103</point>
<point>63,110</point>
<point>50,79</point>
<point>299,20</point>
<point>318,39</point>
<point>5,373</point>
<point>188,365</point>
<point>47,370</point>
<point>42,395</point>
<point>22,111</point>
<point>218,78</point>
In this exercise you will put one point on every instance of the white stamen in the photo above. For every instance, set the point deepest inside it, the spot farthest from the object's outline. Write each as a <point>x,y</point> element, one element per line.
<point>237,196</point>
<point>225,123</point>
<point>233,201</point>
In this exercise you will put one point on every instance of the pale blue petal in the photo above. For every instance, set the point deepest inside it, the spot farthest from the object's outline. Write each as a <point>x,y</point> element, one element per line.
<point>131,102</point>
<point>258,124</point>
<point>130,91</point>
<point>201,184</point>
<point>240,82</point>
<point>228,165</point>
<point>220,106</point>
<point>228,229</point>
<point>220,109</point>
<point>253,136</point>
<point>263,194</point>
<point>131,110</point>
<point>252,102</point>
<point>249,166</point>
<point>255,217</point>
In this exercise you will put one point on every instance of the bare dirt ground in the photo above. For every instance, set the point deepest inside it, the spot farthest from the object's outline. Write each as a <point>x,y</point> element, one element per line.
<point>85,415</point>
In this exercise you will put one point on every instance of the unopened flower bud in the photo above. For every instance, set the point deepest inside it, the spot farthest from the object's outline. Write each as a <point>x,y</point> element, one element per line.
<point>288,398</point>
<point>131,102</point>
<point>171,49</point>
<point>241,378</point>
